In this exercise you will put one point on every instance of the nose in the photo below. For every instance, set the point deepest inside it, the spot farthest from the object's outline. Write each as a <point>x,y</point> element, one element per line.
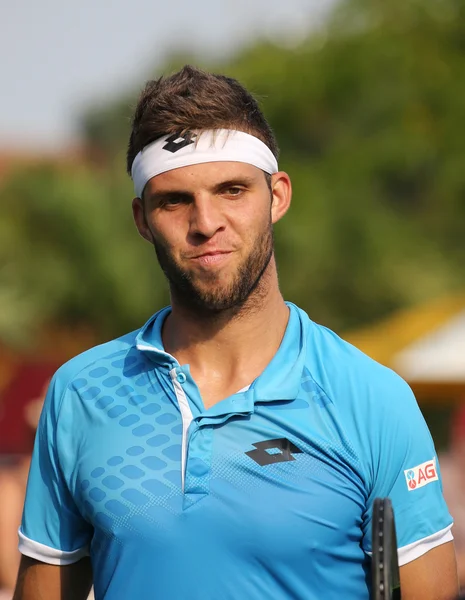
<point>206,217</point>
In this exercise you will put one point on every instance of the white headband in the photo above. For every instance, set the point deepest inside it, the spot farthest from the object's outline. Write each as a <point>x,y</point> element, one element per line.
<point>174,151</point>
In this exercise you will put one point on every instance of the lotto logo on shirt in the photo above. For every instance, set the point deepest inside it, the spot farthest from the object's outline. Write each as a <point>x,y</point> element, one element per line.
<point>425,473</point>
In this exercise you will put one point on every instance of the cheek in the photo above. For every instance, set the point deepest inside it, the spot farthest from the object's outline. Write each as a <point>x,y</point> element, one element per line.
<point>258,226</point>
<point>254,218</point>
<point>167,233</point>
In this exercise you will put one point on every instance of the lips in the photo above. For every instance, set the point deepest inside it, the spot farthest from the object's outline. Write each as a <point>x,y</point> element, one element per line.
<point>211,253</point>
<point>211,258</point>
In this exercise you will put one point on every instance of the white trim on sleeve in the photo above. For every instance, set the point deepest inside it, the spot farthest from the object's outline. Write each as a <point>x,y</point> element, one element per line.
<point>416,549</point>
<point>46,554</point>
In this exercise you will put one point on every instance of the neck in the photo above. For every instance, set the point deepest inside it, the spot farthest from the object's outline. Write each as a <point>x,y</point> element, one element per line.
<point>234,346</point>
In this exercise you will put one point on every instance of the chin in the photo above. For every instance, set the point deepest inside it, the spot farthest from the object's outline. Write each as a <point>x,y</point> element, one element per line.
<point>220,300</point>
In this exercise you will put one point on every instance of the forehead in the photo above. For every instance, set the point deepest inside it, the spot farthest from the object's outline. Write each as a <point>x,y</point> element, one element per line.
<point>203,176</point>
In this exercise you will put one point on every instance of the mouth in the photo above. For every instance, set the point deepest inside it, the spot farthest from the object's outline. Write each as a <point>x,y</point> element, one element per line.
<point>211,258</point>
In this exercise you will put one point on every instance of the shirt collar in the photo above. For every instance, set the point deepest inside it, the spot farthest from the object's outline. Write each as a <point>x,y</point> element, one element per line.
<point>149,339</point>
<point>280,380</point>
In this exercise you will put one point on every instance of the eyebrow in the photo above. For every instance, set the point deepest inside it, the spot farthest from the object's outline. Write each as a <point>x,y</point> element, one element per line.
<point>170,194</point>
<point>236,181</point>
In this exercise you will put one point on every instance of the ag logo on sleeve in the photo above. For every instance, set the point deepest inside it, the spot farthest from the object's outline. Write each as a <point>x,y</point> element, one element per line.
<point>417,477</point>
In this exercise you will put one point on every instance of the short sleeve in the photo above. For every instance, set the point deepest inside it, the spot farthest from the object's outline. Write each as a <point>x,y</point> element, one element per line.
<point>52,528</point>
<point>404,467</point>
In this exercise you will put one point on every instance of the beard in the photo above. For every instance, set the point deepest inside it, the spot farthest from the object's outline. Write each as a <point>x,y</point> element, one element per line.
<point>210,297</point>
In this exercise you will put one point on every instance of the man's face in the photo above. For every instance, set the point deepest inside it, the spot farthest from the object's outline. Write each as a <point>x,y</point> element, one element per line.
<point>211,226</point>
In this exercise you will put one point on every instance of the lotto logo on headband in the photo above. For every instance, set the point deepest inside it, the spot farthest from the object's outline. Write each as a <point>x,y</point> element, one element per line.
<point>176,142</point>
<point>417,477</point>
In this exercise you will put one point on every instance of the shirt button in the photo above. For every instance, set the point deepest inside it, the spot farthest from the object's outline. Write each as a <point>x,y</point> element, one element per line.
<point>181,377</point>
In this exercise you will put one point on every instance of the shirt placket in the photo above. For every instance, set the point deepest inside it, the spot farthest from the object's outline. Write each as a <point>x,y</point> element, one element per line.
<point>198,431</point>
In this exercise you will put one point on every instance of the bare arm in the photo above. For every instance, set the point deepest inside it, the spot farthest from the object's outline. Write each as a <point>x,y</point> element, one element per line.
<point>10,518</point>
<point>433,576</point>
<point>40,581</point>
<point>461,568</point>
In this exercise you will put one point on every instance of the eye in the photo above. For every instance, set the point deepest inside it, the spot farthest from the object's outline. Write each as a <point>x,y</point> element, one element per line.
<point>173,200</point>
<point>234,190</point>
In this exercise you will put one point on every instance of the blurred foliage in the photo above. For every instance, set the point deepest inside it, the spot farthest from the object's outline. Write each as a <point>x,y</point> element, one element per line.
<point>369,113</point>
<point>70,253</point>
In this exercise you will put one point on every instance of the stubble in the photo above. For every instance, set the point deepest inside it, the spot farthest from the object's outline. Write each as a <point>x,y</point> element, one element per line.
<point>209,297</point>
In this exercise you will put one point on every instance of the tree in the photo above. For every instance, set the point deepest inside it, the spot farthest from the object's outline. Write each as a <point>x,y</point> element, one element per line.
<point>369,115</point>
<point>71,254</point>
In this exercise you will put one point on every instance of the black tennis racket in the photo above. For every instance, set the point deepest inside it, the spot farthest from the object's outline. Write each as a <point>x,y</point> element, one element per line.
<point>384,566</point>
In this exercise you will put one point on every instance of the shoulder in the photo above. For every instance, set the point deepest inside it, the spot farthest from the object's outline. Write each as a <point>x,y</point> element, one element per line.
<point>92,357</point>
<point>349,377</point>
<point>105,357</point>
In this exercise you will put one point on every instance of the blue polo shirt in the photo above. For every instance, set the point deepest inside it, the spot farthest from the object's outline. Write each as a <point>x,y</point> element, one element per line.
<point>267,494</point>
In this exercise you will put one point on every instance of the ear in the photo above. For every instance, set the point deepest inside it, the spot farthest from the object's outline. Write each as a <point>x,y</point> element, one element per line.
<point>281,189</point>
<point>138,212</point>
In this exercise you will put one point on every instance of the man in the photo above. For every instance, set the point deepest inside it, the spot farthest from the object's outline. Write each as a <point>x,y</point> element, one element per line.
<point>231,448</point>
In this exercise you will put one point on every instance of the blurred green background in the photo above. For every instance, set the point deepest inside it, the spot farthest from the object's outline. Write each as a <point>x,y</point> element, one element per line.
<point>369,113</point>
